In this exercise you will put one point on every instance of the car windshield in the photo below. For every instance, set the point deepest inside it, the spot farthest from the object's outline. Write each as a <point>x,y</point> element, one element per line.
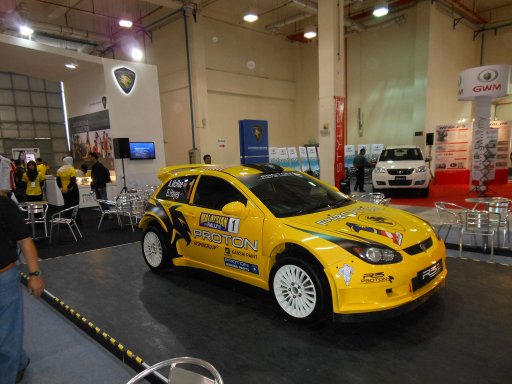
<point>291,193</point>
<point>401,154</point>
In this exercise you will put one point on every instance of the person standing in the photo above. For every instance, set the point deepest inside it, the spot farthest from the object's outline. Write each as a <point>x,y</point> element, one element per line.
<point>100,177</point>
<point>33,179</point>
<point>14,232</point>
<point>20,186</point>
<point>360,163</point>
<point>66,181</point>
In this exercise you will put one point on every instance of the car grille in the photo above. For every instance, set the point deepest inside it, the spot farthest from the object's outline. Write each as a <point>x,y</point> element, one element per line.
<point>401,171</point>
<point>400,182</point>
<point>421,247</point>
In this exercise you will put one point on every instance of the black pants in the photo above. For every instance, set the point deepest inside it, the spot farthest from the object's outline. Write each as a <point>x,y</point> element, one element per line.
<point>359,179</point>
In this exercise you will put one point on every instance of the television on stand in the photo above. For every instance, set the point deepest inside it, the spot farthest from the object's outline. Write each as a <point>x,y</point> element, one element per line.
<point>142,150</point>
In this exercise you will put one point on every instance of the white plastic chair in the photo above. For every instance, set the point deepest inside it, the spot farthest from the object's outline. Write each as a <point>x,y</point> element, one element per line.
<point>178,374</point>
<point>502,220</point>
<point>65,217</point>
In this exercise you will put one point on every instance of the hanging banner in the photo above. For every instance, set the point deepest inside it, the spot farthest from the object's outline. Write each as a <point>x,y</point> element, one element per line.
<point>339,151</point>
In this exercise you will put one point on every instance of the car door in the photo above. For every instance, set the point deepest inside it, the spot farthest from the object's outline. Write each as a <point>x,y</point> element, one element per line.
<point>230,245</point>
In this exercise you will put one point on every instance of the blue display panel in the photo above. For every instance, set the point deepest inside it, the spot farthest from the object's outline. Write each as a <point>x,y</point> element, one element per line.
<point>142,150</point>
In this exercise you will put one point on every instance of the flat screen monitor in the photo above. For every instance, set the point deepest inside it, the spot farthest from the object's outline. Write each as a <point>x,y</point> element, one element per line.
<point>142,150</point>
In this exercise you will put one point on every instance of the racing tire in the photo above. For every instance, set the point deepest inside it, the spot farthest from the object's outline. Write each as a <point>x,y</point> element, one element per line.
<point>300,290</point>
<point>155,249</point>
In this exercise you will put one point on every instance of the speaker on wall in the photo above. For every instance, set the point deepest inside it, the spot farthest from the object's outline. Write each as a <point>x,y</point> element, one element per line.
<point>430,139</point>
<point>121,148</point>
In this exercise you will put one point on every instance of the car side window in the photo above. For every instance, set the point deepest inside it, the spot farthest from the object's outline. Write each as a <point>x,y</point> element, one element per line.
<point>178,189</point>
<point>214,192</point>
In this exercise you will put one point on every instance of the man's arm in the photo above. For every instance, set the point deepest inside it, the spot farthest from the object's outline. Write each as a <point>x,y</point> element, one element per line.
<point>35,283</point>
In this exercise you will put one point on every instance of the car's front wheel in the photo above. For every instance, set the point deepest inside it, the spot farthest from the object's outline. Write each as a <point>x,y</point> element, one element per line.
<point>300,290</point>
<point>155,249</point>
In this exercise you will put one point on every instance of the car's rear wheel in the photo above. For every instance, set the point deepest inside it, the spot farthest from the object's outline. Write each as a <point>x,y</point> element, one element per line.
<point>300,290</point>
<point>155,249</point>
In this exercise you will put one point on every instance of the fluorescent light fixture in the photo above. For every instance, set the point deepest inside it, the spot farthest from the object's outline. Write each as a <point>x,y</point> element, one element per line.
<point>71,65</point>
<point>137,54</point>
<point>380,9</point>
<point>309,31</point>
<point>251,16</point>
<point>25,30</point>
<point>125,23</point>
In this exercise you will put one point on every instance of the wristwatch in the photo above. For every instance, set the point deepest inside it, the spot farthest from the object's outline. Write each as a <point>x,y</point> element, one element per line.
<point>35,273</point>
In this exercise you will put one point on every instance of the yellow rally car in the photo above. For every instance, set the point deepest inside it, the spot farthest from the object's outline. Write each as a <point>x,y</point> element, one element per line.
<point>316,250</point>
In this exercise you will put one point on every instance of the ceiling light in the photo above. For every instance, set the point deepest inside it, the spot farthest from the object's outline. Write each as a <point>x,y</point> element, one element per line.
<point>251,16</point>
<point>380,9</point>
<point>71,65</point>
<point>25,30</point>
<point>309,31</point>
<point>125,23</point>
<point>137,54</point>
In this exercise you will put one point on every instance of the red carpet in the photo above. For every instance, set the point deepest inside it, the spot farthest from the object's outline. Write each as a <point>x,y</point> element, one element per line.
<point>453,193</point>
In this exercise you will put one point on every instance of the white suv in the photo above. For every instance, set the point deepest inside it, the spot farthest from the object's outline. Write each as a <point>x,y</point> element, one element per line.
<point>401,166</point>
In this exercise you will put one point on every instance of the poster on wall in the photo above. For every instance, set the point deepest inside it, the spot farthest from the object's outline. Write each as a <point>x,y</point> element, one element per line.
<point>452,144</point>
<point>502,148</point>
<point>91,133</point>
<point>25,154</point>
<point>294,159</point>
<point>253,135</point>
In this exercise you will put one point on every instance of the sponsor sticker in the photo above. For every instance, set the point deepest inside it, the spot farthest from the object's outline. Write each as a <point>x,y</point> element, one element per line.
<point>396,237</point>
<point>346,272</point>
<point>241,265</point>
<point>220,223</point>
<point>376,277</point>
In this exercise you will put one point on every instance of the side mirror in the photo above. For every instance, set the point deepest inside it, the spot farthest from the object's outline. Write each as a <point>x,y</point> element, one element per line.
<point>235,208</point>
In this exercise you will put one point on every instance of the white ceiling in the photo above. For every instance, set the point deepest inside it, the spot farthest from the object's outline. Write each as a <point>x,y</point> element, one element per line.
<point>91,26</point>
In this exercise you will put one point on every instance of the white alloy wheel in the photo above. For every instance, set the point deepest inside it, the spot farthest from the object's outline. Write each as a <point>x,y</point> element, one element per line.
<point>294,291</point>
<point>152,249</point>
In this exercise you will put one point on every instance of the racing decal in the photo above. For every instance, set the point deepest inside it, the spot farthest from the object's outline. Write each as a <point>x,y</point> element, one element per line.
<point>376,277</point>
<point>333,239</point>
<point>274,175</point>
<point>221,238</point>
<point>175,222</point>
<point>237,252</point>
<point>343,215</point>
<point>396,237</point>
<point>213,247</point>
<point>220,223</point>
<point>242,265</point>
<point>175,190</point>
<point>346,272</point>
<point>381,220</point>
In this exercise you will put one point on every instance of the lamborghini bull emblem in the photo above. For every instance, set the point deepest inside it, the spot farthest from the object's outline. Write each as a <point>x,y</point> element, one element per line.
<point>125,79</point>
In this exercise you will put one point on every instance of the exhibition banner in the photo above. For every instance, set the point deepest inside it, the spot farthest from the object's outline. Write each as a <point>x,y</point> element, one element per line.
<point>339,162</point>
<point>452,147</point>
<point>294,159</point>
<point>303,158</point>
<point>350,153</point>
<point>376,151</point>
<point>284,160</point>
<point>273,155</point>
<point>503,147</point>
<point>253,135</point>
<point>314,165</point>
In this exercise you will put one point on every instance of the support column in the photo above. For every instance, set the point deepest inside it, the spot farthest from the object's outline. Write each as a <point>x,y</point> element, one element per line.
<point>331,65</point>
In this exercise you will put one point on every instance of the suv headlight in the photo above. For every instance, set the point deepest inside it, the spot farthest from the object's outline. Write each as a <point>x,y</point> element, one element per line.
<point>380,170</point>
<point>423,168</point>
<point>373,253</point>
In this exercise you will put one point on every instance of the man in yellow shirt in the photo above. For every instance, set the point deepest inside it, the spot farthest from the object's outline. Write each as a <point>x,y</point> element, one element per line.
<point>41,168</point>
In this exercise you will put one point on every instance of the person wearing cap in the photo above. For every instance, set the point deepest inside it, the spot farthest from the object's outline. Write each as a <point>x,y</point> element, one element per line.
<point>14,233</point>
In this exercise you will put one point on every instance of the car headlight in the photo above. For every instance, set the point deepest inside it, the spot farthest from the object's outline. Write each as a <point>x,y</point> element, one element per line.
<point>380,170</point>
<point>423,168</point>
<point>373,253</point>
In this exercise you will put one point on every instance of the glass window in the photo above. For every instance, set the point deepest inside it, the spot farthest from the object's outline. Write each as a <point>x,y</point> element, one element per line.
<point>24,113</point>
<point>36,84</point>
<point>214,193</point>
<point>38,99</point>
<point>5,80</point>
<point>7,113</point>
<point>54,100</point>
<point>26,130</point>
<point>177,189</point>
<point>22,98</point>
<point>56,115</point>
<point>20,82</point>
<point>40,114</point>
<point>42,130</point>
<point>6,97</point>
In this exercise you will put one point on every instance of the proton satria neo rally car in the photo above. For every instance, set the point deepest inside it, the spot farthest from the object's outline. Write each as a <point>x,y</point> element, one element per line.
<point>317,251</point>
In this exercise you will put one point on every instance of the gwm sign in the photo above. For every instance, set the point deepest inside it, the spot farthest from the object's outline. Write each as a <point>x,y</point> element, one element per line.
<point>491,81</point>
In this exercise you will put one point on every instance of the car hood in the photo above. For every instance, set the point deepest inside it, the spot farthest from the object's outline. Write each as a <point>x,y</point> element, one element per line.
<point>367,223</point>
<point>401,164</point>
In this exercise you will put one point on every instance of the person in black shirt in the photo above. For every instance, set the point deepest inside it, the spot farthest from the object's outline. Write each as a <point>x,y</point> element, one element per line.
<point>100,177</point>
<point>13,233</point>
